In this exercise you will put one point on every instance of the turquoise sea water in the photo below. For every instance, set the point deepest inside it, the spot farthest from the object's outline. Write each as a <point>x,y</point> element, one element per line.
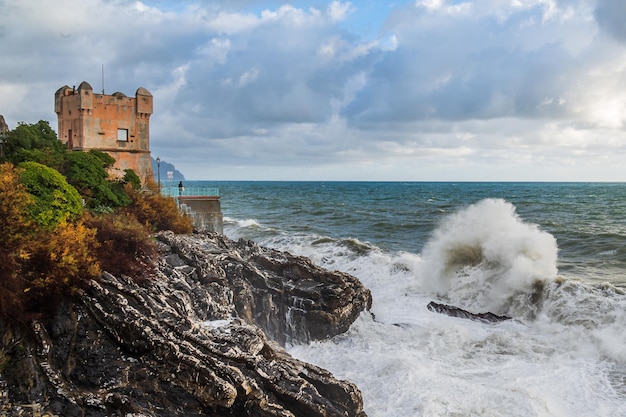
<point>550,255</point>
<point>588,220</point>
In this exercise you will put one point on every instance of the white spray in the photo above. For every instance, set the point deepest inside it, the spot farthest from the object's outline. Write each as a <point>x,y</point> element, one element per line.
<point>485,257</point>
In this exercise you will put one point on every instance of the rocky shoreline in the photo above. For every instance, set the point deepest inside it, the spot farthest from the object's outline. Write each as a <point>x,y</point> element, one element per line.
<point>205,337</point>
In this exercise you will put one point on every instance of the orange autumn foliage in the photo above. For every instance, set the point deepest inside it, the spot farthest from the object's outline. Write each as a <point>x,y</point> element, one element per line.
<point>39,267</point>
<point>155,211</point>
<point>16,230</point>
<point>59,263</point>
<point>126,247</point>
<point>42,266</point>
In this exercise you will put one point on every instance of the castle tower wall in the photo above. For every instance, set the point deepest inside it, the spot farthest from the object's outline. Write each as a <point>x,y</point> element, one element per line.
<point>115,124</point>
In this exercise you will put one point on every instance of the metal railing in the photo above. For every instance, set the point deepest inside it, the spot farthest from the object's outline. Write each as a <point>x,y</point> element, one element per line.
<point>190,191</point>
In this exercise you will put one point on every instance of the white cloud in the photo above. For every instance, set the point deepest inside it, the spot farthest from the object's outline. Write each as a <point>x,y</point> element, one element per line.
<point>291,15</point>
<point>444,89</point>
<point>389,43</point>
<point>338,11</point>
<point>248,77</point>
<point>178,81</point>
<point>227,22</point>
<point>350,91</point>
<point>216,49</point>
<point>430,4</point>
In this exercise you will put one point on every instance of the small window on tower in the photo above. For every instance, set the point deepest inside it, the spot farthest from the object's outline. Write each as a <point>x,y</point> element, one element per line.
<point>122,135</point>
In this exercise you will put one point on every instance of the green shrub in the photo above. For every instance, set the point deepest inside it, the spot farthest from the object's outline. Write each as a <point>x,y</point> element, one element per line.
<point>106,159</point>
<point>32,136</point>
<point>55,201</point>
<point>49,246</point>
<point>34,142</point>
<point>43,262</point>
<point>86,171</point>
<point>131,177</point>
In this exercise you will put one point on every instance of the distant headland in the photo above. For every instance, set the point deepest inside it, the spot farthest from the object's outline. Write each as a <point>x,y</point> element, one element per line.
<point>167,170</point>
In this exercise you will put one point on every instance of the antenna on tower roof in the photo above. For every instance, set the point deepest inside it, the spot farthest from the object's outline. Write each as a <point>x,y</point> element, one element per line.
<point>102,79</point>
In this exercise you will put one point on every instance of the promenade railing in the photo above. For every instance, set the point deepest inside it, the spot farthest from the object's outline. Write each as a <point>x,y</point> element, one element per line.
<point>190,191</point>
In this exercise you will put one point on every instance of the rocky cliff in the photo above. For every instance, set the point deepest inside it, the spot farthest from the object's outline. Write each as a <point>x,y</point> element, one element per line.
<point>4,127</point>
<point>202,338</point>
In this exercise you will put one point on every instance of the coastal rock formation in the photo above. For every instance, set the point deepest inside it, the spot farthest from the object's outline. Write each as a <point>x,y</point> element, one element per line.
<point>203,338</point>
<point>289,297</point>
<point>452,311</point>
<point>4,127</point>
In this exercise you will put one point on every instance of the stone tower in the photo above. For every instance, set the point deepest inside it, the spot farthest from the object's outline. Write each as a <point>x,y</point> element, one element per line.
<point>115,124</point>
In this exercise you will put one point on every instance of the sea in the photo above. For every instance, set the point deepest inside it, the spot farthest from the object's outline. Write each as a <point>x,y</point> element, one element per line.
<point>552,256</point>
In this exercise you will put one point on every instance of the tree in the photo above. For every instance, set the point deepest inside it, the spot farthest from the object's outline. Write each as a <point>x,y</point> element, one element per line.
<point>34,142</point>
<point>131,177</point>
<point>107,160</point>
<point>87,172</point>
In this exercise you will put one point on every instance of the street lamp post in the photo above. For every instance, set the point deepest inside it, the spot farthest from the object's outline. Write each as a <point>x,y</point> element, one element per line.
<point>158,160</point>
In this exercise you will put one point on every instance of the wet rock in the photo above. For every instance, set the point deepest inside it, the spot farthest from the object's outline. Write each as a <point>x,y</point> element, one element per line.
<point>203,339</point>
<point>464,314</point>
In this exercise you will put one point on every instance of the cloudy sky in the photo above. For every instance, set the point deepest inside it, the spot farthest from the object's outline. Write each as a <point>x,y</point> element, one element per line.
<point>422,90</point>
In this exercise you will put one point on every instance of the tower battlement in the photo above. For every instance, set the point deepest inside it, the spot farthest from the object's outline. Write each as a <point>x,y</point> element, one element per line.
<point>115,124</point>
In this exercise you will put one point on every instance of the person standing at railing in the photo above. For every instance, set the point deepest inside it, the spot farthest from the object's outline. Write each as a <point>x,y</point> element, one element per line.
<point>181,188</point>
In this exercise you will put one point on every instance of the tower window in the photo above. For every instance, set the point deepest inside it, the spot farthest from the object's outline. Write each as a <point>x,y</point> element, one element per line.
<point>122,135</point>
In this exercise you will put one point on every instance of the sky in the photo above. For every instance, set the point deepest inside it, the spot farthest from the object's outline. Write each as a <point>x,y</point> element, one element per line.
<point>422,90</point>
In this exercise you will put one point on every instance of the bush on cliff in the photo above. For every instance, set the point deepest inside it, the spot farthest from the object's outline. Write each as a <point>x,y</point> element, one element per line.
<point>131,178</point>
<point>50,246</point>
<point>16,232</point>
<point>34,142</point>
<point>57,265</point>
<point>55,201</point>
<point>43,261</point>
<point>87,172</point>
<point>156,211</point>
<point>125,246</point>
<point>49,250</point>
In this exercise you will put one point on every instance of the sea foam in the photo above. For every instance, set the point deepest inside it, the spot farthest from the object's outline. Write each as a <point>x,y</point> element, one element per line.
<point>564,356</point>
<point>484,257</point>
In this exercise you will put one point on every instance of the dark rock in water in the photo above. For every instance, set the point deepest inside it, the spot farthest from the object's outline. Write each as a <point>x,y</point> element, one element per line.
<point>464,314</point>
<point>192,342</point>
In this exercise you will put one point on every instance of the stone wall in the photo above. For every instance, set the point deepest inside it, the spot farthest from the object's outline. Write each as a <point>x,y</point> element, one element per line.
<point>205,211</point>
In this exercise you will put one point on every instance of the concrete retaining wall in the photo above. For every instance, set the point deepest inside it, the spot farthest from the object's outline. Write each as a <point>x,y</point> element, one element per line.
<point>206,212</point>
